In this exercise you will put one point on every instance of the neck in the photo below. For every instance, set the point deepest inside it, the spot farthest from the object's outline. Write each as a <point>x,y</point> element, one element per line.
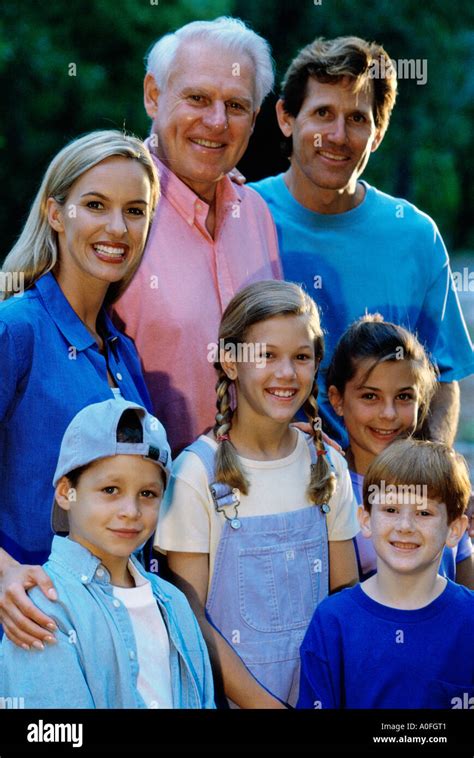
<point>120,576</point>
<point>267,440</point>
<point>406,592</point>
<point>358,460</point>
<point>321,200</point>
<point>85,298</point>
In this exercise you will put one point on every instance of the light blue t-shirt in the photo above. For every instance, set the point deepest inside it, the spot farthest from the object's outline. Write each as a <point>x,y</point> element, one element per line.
<point>385,256</point>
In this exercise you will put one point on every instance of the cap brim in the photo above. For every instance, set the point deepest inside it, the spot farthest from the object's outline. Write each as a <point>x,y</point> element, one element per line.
<point>59,519</point>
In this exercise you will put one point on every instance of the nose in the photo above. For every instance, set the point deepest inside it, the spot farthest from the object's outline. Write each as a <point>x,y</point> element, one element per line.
<point>338,133</point>
<point>129,508</point>
<point>215,116</point>
<point>116,223</point>
<point>388,411</point>
<point>285,369</point>
<point>405,521</point>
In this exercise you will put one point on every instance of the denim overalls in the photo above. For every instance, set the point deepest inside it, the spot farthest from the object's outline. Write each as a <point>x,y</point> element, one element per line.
<point>270,573</point>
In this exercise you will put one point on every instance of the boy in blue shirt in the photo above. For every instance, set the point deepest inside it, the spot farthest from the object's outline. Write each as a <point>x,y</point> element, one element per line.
<point>125,638</point>
<point>403,638</point>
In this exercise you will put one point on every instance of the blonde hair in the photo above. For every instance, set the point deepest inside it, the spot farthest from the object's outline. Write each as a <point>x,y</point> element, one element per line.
<point>255,303</point>
<point>36,251</point>
<point>435,465</point>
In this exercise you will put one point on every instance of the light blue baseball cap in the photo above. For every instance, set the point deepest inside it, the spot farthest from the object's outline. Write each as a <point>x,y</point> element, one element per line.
<point>93,434</point>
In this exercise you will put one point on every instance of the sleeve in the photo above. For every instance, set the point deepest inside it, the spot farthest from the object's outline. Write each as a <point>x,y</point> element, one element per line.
<point>442,326</point>
<point>464,548</point>
<point>319,671</point>
<point>46,678</point>
<point>342,518</point>
<point>9,368</point>
<point>184,520</point>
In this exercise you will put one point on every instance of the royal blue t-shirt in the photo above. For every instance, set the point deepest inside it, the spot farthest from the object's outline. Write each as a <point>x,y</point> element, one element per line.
<point>384,256</point>
<point>358,653</point>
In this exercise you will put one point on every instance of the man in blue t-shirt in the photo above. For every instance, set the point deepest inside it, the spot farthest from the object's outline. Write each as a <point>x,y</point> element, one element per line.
<point>354,248</point>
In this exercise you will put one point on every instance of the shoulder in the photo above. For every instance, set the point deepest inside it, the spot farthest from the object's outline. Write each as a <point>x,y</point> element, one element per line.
<point>268,188</point>
<point>189,465</point>
<point>462,598</point>
<point>22,311</point>
<point>399,209</point>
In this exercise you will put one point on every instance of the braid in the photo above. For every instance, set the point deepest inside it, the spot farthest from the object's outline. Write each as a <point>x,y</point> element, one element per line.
<point>228,468</point>
<point>323,481</point>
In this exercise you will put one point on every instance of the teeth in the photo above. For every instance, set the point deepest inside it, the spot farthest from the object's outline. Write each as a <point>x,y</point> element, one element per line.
<point>282,393</point>
<point>333,156</point>
<point>208,143</point>
<point>114,252</point>
<point>405,545</point>
<point>387,432</point>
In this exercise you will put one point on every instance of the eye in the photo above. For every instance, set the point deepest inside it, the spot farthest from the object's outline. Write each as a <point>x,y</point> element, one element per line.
<point>94,204</point>
<point>405,396</point>
<point>149,494</point>
<point>303,357</point>
<point>424,513</point>
<point>390,509</point>
<point>110,490</point>
<point>369,396</point>
<point>322,112</point>
<point>359,118</point>
<point>136,211</point>
<point>233,105</point>
<point>196,98</point>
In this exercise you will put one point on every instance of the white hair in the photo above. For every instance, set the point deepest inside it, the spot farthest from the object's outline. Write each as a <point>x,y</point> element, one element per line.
<point>226,32</point>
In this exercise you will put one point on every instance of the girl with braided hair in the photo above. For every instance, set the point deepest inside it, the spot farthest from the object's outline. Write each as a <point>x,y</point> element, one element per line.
<point>259,519</point>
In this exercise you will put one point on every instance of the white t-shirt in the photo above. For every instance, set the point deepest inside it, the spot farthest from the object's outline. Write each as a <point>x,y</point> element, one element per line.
<point>151,636</point>
<point>188,521</point>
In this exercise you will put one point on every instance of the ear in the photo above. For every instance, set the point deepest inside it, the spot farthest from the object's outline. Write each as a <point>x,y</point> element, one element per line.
<point>254,118</point>
<point>55,214</point>
<point>63,493</point>
<point>336,400</point>
<point>377,141</point>
<point>229,367</point>
<point>150,95</point>
<point>363,517</point>
<point>285,121</point>
<point>456,530</point>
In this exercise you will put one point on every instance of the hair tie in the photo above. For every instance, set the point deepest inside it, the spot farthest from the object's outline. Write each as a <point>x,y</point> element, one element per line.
<point>222,437</point>
<point>321,452</point>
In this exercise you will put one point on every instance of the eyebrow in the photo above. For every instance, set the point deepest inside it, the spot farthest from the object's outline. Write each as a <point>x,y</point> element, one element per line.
<point>377,389</point>
<point>202,91</point>
<point>104,197</point>
<point>301,347</point>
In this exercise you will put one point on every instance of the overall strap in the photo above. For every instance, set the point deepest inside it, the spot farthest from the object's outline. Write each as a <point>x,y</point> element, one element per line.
<point>222,494</point>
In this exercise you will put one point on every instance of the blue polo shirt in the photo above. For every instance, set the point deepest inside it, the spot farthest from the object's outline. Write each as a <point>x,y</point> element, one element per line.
<point>50,368</point>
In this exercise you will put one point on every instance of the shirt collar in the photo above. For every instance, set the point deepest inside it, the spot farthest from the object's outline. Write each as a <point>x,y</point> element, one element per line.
<point>189,205</point>
<point>65,317</point>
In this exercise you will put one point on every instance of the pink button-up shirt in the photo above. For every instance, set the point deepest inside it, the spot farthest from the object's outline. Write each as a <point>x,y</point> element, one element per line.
<point>173,307</point>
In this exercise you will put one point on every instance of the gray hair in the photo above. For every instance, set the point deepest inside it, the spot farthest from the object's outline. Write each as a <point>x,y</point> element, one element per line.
<point>231,33</point>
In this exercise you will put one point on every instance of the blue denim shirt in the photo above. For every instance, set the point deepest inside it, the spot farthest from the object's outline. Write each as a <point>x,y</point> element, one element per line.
<point>94,662</point>
<point>50,368</point>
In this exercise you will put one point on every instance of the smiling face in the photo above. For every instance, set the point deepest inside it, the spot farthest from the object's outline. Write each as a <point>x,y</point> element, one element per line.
<point>204,116</point>
<point>114,508</point>
<point>103,224</point>
<point>277,390</point>
<point>377,408</point>
<point>333,136</point>
<point>409,537</point>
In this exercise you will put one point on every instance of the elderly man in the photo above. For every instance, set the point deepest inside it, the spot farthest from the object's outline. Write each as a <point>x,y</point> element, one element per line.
<point>203,90</point>
<point>355,248</point>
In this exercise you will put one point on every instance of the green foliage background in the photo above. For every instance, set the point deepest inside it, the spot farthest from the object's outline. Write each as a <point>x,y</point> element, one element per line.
<point>427,154</point>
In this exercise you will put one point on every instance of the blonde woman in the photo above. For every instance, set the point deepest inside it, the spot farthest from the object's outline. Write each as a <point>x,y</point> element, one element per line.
<point>80,247</point>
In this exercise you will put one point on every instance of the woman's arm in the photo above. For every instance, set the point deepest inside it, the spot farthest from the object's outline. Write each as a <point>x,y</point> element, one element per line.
<point>190,572</point>
<point>24,624</point>
<point>342,565</point>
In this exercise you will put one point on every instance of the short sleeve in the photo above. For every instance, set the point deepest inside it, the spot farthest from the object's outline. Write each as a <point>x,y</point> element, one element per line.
<point>442,326</point>
<point>464,548</point>
<point>318,670</point>
<point>342,519</point>
<point>183,521</point>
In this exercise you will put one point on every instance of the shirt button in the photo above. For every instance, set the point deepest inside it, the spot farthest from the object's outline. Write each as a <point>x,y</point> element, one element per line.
<point>132,655</point>
<point>100,572</point>
<point>117,603</point>
<point>84,578</point>
<point>119,376</point>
